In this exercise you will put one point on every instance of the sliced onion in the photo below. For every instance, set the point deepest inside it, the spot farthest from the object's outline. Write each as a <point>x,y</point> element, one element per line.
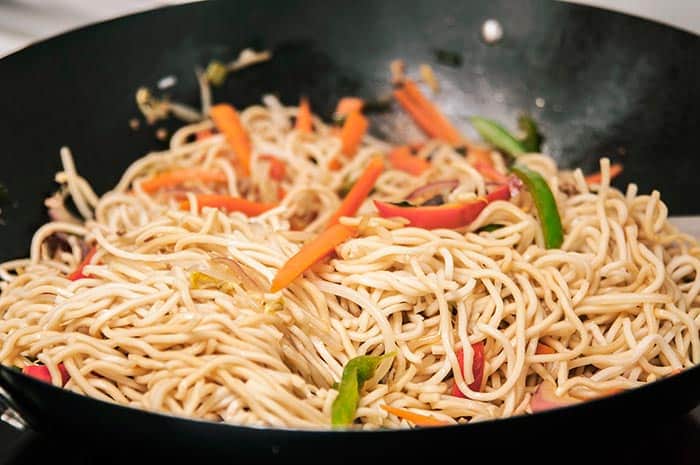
<point>420,195</point>
<point>545,398</point>
<point>247,279</point>
<point>57,210</point>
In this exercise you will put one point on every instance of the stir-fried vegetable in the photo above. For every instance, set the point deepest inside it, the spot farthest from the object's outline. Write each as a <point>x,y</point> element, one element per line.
<point>415,418</point>
<point>532,139</point>
<point>490,173</point>
<point>229,203</point>
<point>352,133</point>
<point>304,121</point>
<point>360,190</point>
<point>42,373</point>
<point>444,216</point>
<point>544,349</point>
<point>310,253</point>
<point>596,178</point>
<point>356,372</point>
<point>229,124</point>
<point>547,211</point>
<point>426,114</point>
<point>424,194</point>
<point>477,369</point>
<point>216,72</point>
<point>177,177</point>
<point>496,135</point>
<point>278,169</point>
<point>402,159</point>
<point>78,273</point>
<point>347,105</point>
<point>545,398</point>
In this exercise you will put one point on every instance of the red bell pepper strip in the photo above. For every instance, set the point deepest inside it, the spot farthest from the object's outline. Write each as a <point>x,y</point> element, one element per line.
<point>78,273</point>
<point>477,369</point>
<point>445,216</point>
<point>41,372</point>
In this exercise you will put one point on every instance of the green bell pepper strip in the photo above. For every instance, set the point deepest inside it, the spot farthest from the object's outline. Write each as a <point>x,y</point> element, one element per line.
<point>356,372</point>
<point>545,204</point>
<point>496,135</point>
<point>532,142</point>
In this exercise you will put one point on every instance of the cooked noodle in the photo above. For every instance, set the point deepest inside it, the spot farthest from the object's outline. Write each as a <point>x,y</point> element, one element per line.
<point>617,302</point>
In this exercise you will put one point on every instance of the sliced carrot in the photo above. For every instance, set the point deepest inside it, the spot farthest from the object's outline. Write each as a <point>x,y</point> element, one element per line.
<point>78,273</point>
<point>310,253</point>
<point>490,173</point>
<point>353,131</point>
<point>544,349</point>
<point>229,124</point>
<point>304,119</point>
<point>204,134</point>
<point>278,169</point>
<point>359,191</point>
<point>229,203</point>
<point>177,177</point>
<point>447,132</point>
<point>479,155</point>
<point>610,392</point>
<point>402,159</point>
<point>334,164</point>
<point>415,418</point>
<point>419,117</point>
<point>596,178</point>
<point>347,105</point>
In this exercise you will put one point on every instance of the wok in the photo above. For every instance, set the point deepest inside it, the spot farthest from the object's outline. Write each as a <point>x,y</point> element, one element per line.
<point>611,85</point>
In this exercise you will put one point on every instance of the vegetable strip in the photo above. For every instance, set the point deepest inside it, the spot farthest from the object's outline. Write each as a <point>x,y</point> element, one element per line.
<point>229,203</point>
<point>402,159</point>
<point>310,253</point>
<point>229,124</point>
<point>545,204</point>
<point>352,133</point>
<point>78,273</point>
<point>304,121</point>
<point>359,191</point>
<point>177,177</point>
<point>415,418</point>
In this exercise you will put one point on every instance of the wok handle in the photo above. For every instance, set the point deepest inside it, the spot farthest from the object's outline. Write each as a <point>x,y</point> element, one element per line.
<point>9,413</point>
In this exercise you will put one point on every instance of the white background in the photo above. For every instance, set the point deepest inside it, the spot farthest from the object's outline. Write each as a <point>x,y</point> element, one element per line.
<point>24,21</point>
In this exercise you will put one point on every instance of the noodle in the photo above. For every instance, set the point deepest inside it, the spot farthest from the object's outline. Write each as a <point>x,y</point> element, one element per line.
<point>617,303</point>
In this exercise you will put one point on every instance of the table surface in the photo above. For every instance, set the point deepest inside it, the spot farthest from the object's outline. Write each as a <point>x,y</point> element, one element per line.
<point>25,21</point>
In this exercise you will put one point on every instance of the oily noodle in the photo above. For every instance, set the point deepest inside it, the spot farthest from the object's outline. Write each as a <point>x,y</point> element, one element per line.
<point>617,303</point>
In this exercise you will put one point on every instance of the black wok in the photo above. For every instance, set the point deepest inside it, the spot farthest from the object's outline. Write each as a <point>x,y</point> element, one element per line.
<point>612,85</point>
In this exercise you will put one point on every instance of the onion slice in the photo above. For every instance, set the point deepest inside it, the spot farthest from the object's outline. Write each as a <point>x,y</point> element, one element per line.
<point>427,192</point>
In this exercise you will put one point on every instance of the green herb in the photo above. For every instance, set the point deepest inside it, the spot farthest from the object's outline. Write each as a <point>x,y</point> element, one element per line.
<point>216,72</point>
<point>489,228</point>
<point>496,135</point>
<point>356,372</point>
<point>448,58</point>
<point>532,141</point>
<point>545,204</point>
<point>335,385</point>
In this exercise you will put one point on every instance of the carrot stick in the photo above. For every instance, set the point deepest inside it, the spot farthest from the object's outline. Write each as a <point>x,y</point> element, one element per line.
<point>490,173</point>
<point>230,204</point>
<point>347,105</point>
<point>310,253</point>
<point>544,349</point>
<point>448,132</point>
<point>229,123</point>
<point>277,167</point>
<point>421,119</point>
<point>595,178</point>
<point>78,273</point>
<point>359,191</point>
<point>402,159</point>
<point>353,130</point>
<point>479,155</point>
<point>304,119</point>
<point>176,177</point>
<point>415,418</point>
